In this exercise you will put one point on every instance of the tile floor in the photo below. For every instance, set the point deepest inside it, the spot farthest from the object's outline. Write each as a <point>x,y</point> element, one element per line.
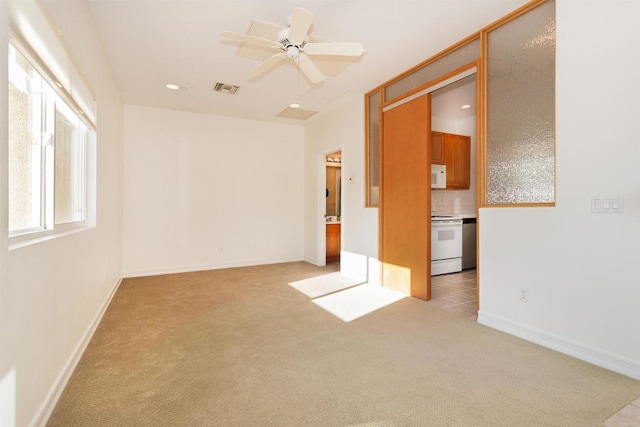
<point>629,416</point>
<point>455,292</point>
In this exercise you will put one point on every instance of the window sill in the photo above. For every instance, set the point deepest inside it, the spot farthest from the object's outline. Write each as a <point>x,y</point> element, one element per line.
<point>28,239</point>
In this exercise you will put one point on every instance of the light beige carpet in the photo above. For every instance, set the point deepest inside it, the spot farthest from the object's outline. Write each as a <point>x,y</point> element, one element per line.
<point>241,347</point>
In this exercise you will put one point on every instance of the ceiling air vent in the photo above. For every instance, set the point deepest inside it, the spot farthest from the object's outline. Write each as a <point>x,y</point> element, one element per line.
<point>226,88</point>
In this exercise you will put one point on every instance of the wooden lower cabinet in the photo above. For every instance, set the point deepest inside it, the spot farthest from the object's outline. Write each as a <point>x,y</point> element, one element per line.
<point>333,243</point>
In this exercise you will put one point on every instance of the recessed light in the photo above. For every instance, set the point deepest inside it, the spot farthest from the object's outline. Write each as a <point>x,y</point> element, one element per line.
<point>294,105</point>
<point>173,87</point>
<point>465,106</point>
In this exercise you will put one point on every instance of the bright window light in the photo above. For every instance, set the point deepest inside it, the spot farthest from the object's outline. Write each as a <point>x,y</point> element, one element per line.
<point>47,153</point>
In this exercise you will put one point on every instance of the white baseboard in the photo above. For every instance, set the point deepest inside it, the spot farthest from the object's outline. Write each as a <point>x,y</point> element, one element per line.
<point>43,414</point>
<point>310,260</point>
<point>612,362</point>
<point>204,267</point>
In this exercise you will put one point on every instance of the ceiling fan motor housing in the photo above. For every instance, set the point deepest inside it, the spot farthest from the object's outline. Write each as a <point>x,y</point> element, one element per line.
<point>292,50</point>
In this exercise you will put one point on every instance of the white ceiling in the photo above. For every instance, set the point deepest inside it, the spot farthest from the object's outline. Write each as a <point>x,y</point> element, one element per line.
<point>152,43</point>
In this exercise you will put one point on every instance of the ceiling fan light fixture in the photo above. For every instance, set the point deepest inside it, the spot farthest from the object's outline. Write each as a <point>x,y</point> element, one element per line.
<point>295,105</point>
<point>293,51</point>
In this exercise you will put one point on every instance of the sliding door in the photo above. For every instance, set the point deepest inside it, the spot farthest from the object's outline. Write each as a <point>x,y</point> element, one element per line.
<point>405,249</point>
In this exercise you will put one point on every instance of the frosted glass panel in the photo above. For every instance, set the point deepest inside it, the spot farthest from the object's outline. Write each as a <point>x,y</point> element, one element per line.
<point>521,109</point>
<point>374,150</point>
<point>461,56</point>
<point>456,59</point>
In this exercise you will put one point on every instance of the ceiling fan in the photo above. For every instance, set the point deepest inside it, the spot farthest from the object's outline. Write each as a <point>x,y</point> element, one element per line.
<point>296,44</point>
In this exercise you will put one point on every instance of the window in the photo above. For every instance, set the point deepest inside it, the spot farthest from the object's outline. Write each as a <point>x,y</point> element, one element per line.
<point>48,142</point>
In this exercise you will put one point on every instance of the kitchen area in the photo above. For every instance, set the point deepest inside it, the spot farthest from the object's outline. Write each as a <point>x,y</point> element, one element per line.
<point>453,198</point>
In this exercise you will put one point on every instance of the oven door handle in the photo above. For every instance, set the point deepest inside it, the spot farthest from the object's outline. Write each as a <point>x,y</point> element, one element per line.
<point>445,223</point>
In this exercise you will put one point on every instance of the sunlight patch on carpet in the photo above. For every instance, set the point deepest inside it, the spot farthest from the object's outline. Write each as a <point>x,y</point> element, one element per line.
<point>323,285</point>
<point>358,301</point>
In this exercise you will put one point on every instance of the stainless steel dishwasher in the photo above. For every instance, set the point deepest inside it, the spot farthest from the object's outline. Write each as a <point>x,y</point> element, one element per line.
<point>468,243</point>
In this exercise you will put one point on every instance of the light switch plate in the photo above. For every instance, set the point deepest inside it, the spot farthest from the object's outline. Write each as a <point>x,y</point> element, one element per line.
<point>607,204</point>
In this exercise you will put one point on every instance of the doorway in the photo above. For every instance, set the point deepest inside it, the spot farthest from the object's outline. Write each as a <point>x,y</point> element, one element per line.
<point>333,207</point>
<point>457,291</point>
<point>410,113</point>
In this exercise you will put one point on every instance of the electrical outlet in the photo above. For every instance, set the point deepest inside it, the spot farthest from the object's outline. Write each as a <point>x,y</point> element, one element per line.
<point>523,294</point>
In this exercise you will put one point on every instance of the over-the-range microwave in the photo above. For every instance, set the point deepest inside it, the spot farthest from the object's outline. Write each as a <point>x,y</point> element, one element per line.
<point>438,176</point>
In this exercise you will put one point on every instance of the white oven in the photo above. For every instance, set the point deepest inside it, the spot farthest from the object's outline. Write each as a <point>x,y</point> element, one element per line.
<point>446,245</point>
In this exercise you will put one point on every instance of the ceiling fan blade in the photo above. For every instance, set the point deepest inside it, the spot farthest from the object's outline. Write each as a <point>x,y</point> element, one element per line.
<point>309,69</point>
<point>265,65</point>
<point>301,20</point>
<point>343,49</point>
<point>251,40</point>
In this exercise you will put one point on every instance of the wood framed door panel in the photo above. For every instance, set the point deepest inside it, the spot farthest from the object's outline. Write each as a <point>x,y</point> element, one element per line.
<point>406,198</point>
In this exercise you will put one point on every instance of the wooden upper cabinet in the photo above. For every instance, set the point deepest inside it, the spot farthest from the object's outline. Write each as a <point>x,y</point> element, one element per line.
<point>453,151</point>
<point>457,153</point>
<point>437,148</point>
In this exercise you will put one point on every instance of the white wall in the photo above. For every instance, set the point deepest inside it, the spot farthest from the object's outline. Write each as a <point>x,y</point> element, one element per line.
<point>52,293</point>
<point>207,192</point>
<point>343,129</point>
<point>443,199</point>
<point>581,268</point>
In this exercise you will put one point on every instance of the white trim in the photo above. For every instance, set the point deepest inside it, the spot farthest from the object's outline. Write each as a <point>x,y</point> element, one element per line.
<point>430,89</point>
<point>19,241</point>
<point>50,401</point>
<point>310,260</point>
<point>612,362</point>
<point>214,266</point>
<point>321,210</point>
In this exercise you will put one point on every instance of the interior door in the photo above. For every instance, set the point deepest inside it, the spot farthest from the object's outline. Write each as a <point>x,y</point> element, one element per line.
<point>405,198</point>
